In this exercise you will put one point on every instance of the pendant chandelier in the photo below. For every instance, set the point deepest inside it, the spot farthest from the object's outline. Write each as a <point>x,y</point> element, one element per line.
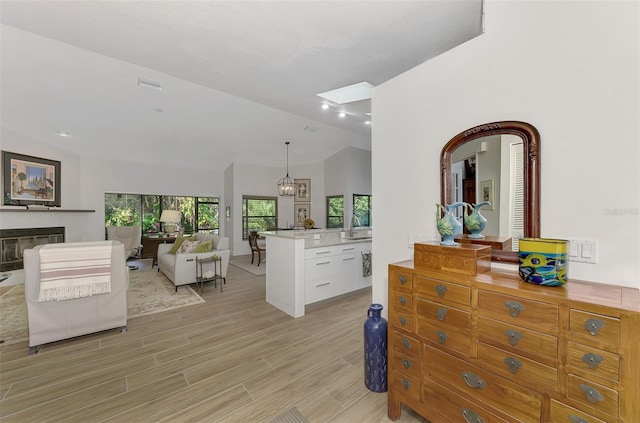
<point>287,185</point>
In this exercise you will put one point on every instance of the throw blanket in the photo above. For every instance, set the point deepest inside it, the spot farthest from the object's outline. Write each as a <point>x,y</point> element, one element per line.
<point>74,270</point>
<point>366,264</point>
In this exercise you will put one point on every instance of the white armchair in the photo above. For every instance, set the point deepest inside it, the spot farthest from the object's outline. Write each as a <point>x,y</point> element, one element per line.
<point>129,236</point>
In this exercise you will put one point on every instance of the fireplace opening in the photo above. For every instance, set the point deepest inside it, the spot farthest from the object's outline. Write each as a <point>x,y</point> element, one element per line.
<point>13,242</point>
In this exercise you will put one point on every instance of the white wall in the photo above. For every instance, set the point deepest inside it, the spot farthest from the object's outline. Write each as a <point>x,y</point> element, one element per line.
<point>101,176</point>
<point>569,68</point>
<point>346,173</point>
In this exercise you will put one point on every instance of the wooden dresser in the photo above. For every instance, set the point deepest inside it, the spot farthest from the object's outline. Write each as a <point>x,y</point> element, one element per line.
<point>491,348</point>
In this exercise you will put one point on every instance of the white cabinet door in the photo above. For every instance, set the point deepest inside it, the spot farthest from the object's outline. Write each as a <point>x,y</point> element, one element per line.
<point>349,272</point>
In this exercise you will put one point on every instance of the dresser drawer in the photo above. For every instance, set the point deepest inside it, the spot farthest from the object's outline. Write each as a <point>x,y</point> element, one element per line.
<point>450,407</point>
<point>443,292</point>
<point>406,345</point>
<point>591,361</point>
<point>401,301</point>
<point>402,320</point>
<point>320,268</point>
<point>534,315</point>
<point>519,369</point>
<point>444,335</point>
<point>405,386</point>
<point>485,387</point>
<point>515,338</point>
<point>594,329</point>
<point>448,316</point>
<point>406,364</point>
<point>400,281</point>
<point>593,396</point>
<point>562,413</point>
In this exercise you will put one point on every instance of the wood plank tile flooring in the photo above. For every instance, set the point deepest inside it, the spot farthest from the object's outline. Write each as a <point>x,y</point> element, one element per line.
<point>234,358</point>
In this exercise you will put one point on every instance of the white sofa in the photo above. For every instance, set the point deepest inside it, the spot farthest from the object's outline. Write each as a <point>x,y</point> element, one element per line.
<point>51,321</point>
<point>181,268</point>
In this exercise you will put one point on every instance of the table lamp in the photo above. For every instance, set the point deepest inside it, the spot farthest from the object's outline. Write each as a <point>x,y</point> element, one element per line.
<point>170,218</point>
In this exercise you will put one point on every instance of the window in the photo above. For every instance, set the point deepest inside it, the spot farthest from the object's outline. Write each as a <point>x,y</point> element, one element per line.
<point>362,209</point>
<point>335,211</point>
<point>258,214</point>
<point>198,214</point>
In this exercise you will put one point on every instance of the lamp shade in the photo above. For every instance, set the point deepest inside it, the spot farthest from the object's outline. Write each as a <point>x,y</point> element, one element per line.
<point>170,216</point>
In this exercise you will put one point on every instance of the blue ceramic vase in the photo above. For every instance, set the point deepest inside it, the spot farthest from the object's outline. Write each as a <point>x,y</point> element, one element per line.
<point>474,221</point>
<point>375,350</point>
<point>449,226</point>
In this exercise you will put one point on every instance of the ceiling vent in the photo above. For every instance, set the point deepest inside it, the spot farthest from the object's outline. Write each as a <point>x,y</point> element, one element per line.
<point>145,83</point>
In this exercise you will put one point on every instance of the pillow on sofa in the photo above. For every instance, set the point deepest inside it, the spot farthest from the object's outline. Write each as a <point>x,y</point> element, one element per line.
<point>178,243</point>
<point>203,247</point>
<point>187,246</point>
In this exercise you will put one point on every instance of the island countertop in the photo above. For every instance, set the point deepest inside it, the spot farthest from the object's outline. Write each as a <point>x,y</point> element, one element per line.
<point>314,238</point>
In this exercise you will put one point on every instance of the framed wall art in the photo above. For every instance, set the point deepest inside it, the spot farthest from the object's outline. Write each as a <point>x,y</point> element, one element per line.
<point>301,212</point>
<point>30,180</point>
<point>486,193</point>
<point>303,190</point>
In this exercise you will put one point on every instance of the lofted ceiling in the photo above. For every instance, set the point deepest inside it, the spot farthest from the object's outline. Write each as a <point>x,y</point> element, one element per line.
<point>238,78</point>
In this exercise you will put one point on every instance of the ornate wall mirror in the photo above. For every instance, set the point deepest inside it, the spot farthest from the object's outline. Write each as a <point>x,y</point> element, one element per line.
<point>497,162</point>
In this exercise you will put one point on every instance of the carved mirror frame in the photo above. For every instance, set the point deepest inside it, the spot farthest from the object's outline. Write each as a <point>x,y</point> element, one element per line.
<point>531,147</point>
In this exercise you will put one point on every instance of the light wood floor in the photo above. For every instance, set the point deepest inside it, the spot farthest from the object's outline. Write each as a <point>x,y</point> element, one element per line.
<point>234,358</point>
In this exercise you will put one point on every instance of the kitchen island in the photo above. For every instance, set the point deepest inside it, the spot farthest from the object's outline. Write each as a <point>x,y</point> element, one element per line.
<point>308,266</point>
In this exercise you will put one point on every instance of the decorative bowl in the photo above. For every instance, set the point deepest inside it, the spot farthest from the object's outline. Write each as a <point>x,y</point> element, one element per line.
<point>543,261</point>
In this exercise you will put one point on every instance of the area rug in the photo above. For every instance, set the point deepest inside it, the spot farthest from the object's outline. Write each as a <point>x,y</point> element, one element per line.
<point>290,416</point>
<point>149,292</point>
<point>244,263</point>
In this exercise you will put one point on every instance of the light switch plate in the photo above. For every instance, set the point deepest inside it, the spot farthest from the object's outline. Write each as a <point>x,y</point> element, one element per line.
<point>583,250</point>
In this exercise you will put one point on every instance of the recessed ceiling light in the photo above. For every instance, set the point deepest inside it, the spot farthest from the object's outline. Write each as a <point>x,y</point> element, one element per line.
<point>367,122</point>
<point>63,134</point>
<point>349,94</point>
<point>145,83</point>
<point>325,106</point>
<point>342,114</point>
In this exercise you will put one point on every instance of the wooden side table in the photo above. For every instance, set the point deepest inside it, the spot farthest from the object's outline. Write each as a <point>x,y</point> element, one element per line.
<point>151,243</point>
<point>201,279</point>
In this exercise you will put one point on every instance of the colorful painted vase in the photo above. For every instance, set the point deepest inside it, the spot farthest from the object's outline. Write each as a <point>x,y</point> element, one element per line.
<point>474,221</point>
<point>543,261</point>
<point>448,225</point>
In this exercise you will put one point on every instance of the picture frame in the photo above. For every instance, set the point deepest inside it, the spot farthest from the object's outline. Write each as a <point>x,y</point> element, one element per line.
<point>303,190</point>
<point>29,180</point>
<point>301,211</point>
<point>486,193</point>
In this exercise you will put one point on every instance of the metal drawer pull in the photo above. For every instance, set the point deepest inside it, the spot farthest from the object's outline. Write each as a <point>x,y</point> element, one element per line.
<point>513,335</point>
<point>323,284</point>
<point>406,384</point>
<point>406,343</point>
<point>513,364</point>
<point>348,258</point>
<point>441,289</point>
<point>322,262</point>
<point>471,416</point>
<point>403,321</point>
<point>593,326</point>
<point>592,360</point>
<point>406,363</point>
<point>577,419</point>
<point>403,280</point>
<point>349,249</point>
<point>442,337</point>
<point>322,252</point>
<point>514,308</point>
<point>403,300</point>
<point>441,313</point>
<point>473,380</point>
<point>592,393</point>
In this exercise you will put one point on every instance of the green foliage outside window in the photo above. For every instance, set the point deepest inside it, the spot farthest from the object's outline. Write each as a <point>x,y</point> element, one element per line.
<point>335,211</point>
<point>362,209</point>
<point>258,214</point>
